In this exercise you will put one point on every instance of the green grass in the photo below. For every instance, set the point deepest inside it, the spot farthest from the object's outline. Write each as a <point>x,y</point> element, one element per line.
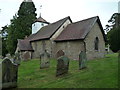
<point>100,73</point>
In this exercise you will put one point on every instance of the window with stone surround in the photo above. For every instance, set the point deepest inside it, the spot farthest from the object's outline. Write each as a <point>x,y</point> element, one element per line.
<point>96,43</point>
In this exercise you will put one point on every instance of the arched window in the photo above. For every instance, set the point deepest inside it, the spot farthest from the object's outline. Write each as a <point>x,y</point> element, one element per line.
<point>96,43</point>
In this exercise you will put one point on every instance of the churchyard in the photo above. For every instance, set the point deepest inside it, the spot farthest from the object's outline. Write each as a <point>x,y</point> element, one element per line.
<point>99,73</point>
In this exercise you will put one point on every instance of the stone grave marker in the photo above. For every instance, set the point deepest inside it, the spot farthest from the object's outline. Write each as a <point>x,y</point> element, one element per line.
<point>62,65</point>
<point>26,56</point>
<point>9,73</point>
<point>44,60</point>
<point>17,59</point>
<point>82,60</point>
<point>60,53</point>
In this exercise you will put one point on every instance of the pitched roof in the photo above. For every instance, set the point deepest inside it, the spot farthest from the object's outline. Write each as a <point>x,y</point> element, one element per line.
<point>47,31</point>
<point>40,19</point>
<point>78,30</point>
<point>24,45</point>
<point>30,37</point>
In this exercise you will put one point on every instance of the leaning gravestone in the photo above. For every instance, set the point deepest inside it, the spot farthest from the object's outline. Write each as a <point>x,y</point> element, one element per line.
<point>44,60</point>
<point>82,60</point>
<point>62,65</point>
<point>9,73</point>
<point>60,53</point>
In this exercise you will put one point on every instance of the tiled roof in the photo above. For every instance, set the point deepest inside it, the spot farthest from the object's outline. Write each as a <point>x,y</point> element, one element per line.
<point>78,30</point>
<point>30,37</point>
<point>40,19</point>
<point>47,31</point>
<point>24,45</point>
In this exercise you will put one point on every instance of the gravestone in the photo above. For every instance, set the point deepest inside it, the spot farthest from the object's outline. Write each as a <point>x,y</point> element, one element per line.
<point>44,60</point>
<point>26,56</point>
<point>60,53</point>
<point>82,60</point>
<point>17,59</point>
<point>62,65</point>
<point>9,74</point>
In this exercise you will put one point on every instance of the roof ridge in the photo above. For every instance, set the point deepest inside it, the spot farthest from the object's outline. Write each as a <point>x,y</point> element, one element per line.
<point>61,19</point>
<point>47,31</point>
<point>78,29</point>
<point>85,19</point>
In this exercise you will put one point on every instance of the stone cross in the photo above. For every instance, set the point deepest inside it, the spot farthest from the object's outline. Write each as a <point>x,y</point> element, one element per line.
<point>60,53</point>
<point>62,65</point>
<point>82,60</point>
<point>9,73</point>
<point>44,60</point>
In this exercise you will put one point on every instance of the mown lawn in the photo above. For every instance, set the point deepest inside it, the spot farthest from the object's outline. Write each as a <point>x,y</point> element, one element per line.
<point>100,73</point>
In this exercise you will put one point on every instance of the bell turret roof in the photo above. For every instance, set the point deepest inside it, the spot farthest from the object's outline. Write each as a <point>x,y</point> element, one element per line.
<point>40,19</point>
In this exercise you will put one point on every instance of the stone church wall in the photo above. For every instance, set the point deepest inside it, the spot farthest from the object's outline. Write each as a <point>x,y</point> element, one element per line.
<point>39,47</point>
<point>71,48</point>
<point>90,45</point>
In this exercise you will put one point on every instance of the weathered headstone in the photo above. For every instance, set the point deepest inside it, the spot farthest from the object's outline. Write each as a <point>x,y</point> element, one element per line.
<point>60,53</point>
<point>26,56</point>
<point>44,60</point>
<point>17,59</point>
<point>82,60</point>
<point>62,65</point>
<point>9,74</point>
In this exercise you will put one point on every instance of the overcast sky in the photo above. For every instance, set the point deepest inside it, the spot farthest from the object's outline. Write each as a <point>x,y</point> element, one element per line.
<point>53,10</point>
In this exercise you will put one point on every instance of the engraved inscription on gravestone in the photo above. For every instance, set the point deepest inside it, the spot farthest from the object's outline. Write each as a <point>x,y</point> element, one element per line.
<point>62,65</point>
<point>82,60</point>
<point>44,60</point>
<point>60,53</point>
<point>9,74</point>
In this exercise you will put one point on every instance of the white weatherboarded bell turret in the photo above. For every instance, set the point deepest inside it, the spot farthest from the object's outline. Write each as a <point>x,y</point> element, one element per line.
<point>38,24</point>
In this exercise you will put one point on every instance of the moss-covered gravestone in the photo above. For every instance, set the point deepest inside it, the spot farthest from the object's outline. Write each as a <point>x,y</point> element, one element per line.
<point>62,65</point>
<point>9,74</point>
<point>44,60</point>
<point>60,53</point>
<point>82,60</point>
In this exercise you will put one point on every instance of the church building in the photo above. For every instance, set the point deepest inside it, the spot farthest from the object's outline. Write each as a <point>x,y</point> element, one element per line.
<point>70,37</point>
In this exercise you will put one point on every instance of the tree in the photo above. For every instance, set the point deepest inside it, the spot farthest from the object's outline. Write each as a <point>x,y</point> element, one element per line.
<point>4,38</point>
<point>113,35</point>
<point>26,16</point>
<point>21,25</point>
